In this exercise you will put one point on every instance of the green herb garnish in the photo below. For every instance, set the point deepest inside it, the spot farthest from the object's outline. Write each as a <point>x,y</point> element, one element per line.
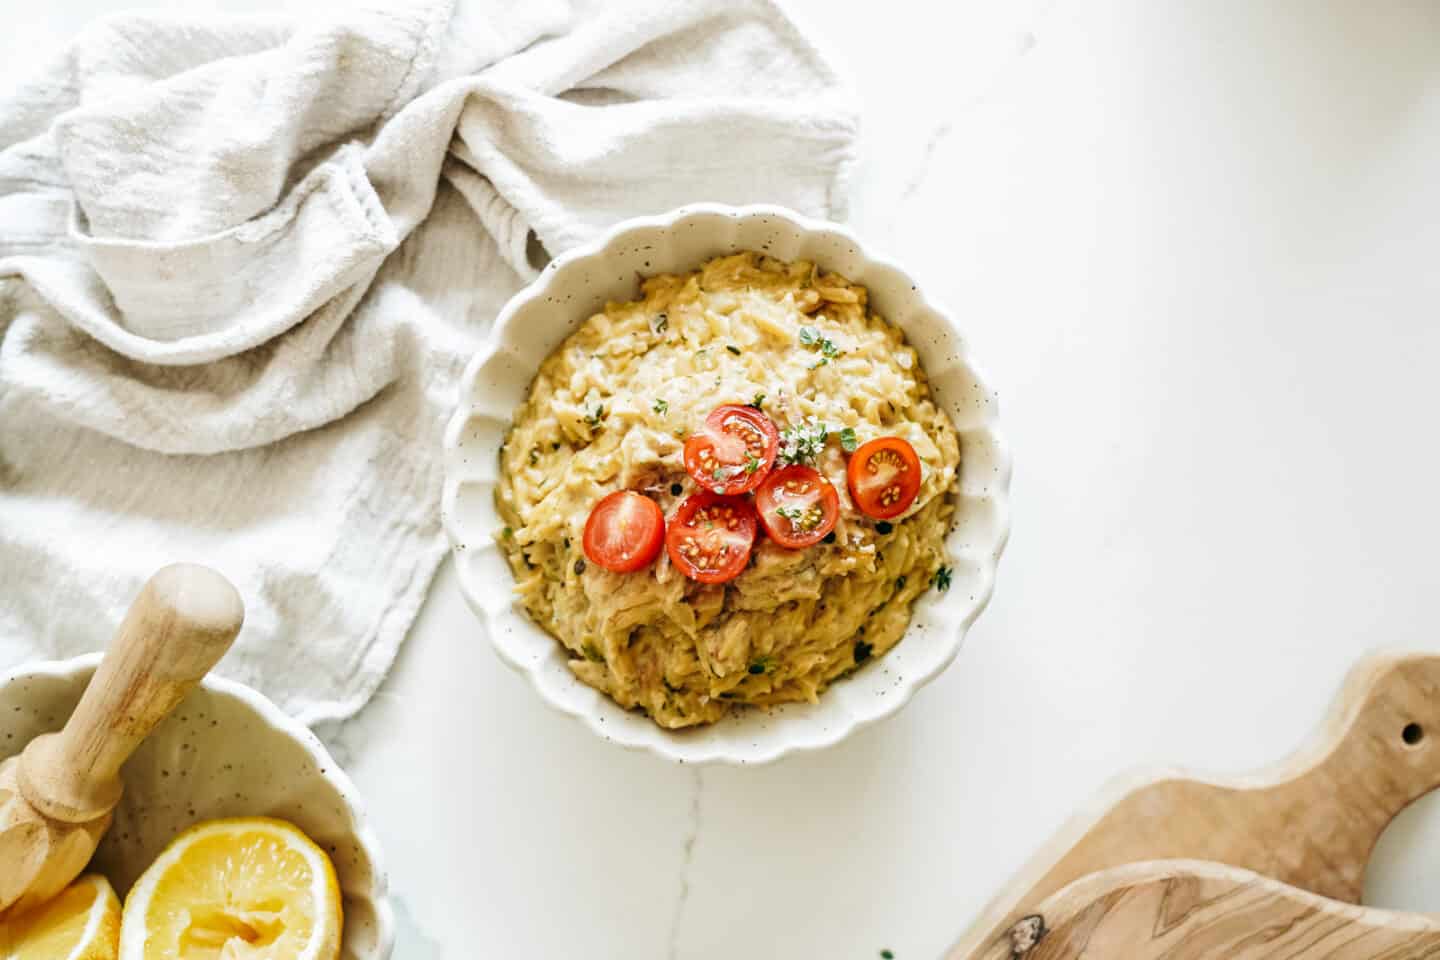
<point>847,440</point>
<point>884,527</point>
<point>887,955</point>
<point>752,465</point>
<point>662,323</point>
<point>507,533</point>
<point>592,652</point>
<point>900,582</point>
<point>594,419</point>
<point>863,651</point>
<point>759,399</point>
<point>661,407</point>
<point>941,580</point>
<point>733,349</point>
<point>809,336</point>
<point>761,664</point>
<point>534,456</point>
<point>803,442</point>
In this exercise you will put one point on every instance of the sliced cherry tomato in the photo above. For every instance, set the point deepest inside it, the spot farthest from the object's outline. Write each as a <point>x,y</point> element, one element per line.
<point>797,506</point>
<point>710,536</point>
<point>624,531</point>
<point>884,477</point>
<point>733,451</point>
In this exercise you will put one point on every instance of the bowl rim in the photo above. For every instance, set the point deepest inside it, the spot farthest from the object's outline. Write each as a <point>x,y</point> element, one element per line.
<point>320,756</point>
<point>668,744</point>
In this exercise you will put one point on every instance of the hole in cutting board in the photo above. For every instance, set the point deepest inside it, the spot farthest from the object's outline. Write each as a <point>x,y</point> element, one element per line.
<point>1412,734</point>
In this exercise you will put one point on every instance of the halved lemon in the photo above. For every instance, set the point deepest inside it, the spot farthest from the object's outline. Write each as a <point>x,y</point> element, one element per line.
<point>82,923</point>
<point>247,889</point>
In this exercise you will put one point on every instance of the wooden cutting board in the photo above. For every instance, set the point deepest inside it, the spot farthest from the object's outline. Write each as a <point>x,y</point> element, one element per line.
<point>1281,847</point>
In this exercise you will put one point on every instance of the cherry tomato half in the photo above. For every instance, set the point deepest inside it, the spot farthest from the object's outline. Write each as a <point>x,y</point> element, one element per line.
<point>624,531</point>
<point>884,477</point>
<point>797,506</point>
<point>733,451</point>
<point>710,536</point>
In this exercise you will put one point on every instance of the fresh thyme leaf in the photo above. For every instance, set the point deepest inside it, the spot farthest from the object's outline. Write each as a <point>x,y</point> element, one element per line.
<point>661,407</point>
<point>803,442</point>
<point>761,664</point>
<point>752,465</point>
<point>733,349</point>
<point>594,419</point>
<point>809,336</point>
<point>592,652</point>
<point>847,440</point>
<point>759,399</point>
<point>941,580</point>
<point>662,323</point>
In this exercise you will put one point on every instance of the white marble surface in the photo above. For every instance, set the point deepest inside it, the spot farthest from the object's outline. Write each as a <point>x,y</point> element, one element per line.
<point>1195,245</point>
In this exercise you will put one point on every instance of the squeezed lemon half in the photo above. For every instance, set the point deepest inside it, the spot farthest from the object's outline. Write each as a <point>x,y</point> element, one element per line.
<point>245,889</point>
<point>82,923</point>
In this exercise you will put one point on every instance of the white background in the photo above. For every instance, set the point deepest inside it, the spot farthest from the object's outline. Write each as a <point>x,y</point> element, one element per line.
<point>1195,247</point>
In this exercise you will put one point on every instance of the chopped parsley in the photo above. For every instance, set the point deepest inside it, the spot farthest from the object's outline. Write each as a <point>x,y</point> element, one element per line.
<point>507,533</point>
<point>661,407</point>
<point>662,323</point>
<point>594,419</point>
<point>900,582</point>
<point>810,337</point>
<point>733,349</point>
<point>751,465</point>
<point>534,456</point>
<point>887,954</point>
<point>761,664</point>
<point>592,652</point>
<point>803,442</point>
<point>941,580</point>
<point>759,399</point>
<point>847,440</point>
<point>863,651</point>
<point>884,527</point>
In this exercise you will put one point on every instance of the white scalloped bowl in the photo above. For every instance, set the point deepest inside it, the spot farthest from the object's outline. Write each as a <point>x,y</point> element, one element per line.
<point>226,751</point>
<point>576,285</point>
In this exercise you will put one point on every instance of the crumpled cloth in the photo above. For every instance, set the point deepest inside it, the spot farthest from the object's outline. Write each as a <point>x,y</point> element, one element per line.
<point>243,261</point>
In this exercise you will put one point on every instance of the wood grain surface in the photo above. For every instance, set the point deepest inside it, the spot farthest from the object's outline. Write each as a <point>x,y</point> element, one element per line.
<point>1309,822</point>
<point>1198,910</point>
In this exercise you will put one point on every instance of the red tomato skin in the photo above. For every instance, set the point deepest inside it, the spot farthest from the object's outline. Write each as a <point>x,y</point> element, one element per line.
<point>679,533</point>
<point>700,445</point>
<point>650,522</point>
<point>871,501</point>
<point>779,528</point>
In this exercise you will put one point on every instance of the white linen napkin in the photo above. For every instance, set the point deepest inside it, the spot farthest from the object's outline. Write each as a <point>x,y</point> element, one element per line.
<point>242,262</point>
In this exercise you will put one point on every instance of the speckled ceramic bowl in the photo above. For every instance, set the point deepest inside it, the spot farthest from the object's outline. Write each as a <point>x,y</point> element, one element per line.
<point>579,283</point>
<point>226,751</point>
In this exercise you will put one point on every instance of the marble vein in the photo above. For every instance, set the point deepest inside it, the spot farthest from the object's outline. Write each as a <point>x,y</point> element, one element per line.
<point>687,860</point>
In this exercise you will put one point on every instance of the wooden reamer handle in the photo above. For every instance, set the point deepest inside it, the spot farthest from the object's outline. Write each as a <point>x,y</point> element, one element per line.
<point>180,625</point>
